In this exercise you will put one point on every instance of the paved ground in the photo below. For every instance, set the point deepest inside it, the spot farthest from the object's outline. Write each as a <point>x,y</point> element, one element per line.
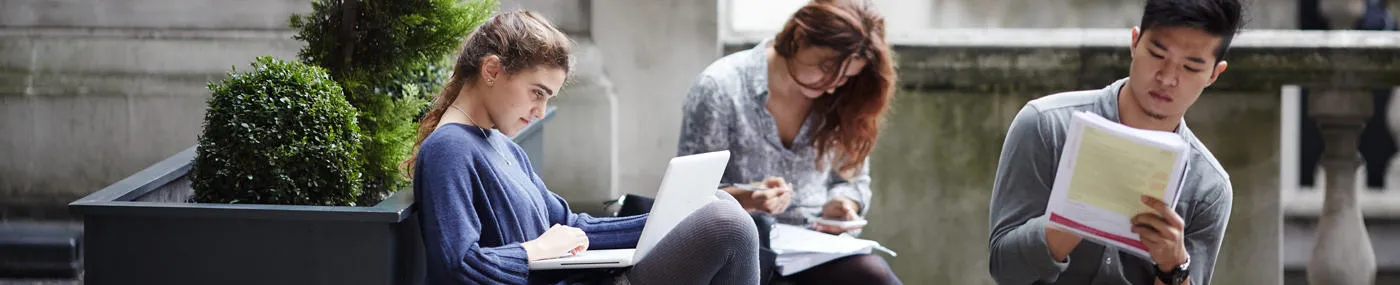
<point>39,282</point>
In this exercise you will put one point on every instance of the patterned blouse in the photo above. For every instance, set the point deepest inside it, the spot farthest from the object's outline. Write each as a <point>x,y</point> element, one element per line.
<point>725,110</point>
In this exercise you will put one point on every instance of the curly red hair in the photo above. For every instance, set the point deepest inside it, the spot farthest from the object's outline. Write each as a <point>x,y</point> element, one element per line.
<point>852,114</point>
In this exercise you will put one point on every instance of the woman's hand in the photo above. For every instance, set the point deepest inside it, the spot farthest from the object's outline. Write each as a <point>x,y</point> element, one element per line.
<point>555,242</point>
<point>838,209</point>
<point>774,198</point>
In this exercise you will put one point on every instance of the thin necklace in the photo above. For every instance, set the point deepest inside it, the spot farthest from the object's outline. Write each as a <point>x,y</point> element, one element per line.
<point>483,134</point>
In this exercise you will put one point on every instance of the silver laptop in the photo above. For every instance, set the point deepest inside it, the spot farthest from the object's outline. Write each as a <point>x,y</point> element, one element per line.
<point>689,184</point>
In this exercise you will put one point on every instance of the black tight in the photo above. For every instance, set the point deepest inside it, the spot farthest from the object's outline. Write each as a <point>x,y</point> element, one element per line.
<point>855,269</point>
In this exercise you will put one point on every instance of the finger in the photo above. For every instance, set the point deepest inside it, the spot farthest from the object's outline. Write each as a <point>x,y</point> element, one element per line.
<point>1166,212</point>
<point>773,206</point>
<point>760,195</point>
<point>832,206</point>
<point>1154,203</point>
<point>774,182</point>
<point>581,240</point>
<point>1152,220</point>
<point>1148,235</point>
<point>829,212</point>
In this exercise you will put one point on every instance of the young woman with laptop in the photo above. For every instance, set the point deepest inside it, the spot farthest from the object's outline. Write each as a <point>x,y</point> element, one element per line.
<point>486,215</point>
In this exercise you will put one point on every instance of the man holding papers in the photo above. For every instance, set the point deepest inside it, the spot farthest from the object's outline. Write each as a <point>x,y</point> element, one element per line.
<point>1080,199</point>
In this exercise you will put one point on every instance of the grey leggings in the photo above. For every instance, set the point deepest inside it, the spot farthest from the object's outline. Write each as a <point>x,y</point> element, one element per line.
<point>718,244</point>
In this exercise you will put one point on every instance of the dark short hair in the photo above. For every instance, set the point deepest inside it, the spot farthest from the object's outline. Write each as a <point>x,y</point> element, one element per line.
<point>1220,18</point>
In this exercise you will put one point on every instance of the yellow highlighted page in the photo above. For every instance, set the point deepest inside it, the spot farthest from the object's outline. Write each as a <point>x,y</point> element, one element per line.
<point>1117,172</point>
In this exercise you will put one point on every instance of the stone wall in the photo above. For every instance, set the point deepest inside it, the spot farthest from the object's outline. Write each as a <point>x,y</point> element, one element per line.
<point>934,164</point>
<point>94,90</point>
<point>913,15</point>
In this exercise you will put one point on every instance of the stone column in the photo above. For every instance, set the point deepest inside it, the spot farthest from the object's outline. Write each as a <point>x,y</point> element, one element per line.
<point>1341,14</point>
<point>652,50</point>
<point>1394,7</point>
<point>1342,252</point>
<point>1392,119</point>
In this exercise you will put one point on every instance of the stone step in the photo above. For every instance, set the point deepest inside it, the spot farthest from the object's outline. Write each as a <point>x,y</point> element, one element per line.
<point>40,249</point>
<point>195,14</point>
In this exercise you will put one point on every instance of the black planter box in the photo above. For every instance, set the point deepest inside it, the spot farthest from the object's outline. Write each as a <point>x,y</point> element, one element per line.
<point>140,230</point>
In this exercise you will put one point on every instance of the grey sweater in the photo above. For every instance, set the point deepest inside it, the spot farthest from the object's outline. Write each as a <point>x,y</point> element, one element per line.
<point>1026,171</point>
<point>726,110</point>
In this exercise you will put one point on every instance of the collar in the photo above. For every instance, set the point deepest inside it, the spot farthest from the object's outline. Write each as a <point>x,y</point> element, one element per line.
<point>1107,105</point>
<point>756,69</point>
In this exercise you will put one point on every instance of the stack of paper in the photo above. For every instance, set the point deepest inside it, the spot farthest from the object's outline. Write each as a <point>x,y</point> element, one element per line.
<point>1104,170</point>
<point>800,248</point>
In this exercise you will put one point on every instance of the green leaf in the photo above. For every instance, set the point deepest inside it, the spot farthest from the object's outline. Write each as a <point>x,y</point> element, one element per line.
<point>254,141</point>
<point>401,56</point>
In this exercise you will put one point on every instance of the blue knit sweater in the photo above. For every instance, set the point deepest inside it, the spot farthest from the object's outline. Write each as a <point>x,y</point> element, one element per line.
<point>479,199</point>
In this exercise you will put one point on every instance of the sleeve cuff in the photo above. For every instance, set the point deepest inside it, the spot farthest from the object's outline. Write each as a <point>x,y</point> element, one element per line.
<point>1037,251</point>
<point>513,259</point>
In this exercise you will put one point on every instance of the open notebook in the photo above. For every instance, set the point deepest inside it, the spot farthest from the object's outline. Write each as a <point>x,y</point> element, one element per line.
<point>1105,168</point>
<point>799,248</point>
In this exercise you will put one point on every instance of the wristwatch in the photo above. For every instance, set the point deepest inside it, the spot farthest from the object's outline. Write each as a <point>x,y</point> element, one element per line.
<point>1176,276</point>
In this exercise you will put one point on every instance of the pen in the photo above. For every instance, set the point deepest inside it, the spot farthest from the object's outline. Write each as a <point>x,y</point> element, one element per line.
<point>747,187</point>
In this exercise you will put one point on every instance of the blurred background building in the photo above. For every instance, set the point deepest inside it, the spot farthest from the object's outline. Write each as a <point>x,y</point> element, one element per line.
<point>94,90</point>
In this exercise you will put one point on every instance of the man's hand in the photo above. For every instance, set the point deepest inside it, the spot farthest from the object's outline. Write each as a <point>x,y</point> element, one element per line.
<point>838,209</point>
<point>1061,242</point>
<point>1161,231</point>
